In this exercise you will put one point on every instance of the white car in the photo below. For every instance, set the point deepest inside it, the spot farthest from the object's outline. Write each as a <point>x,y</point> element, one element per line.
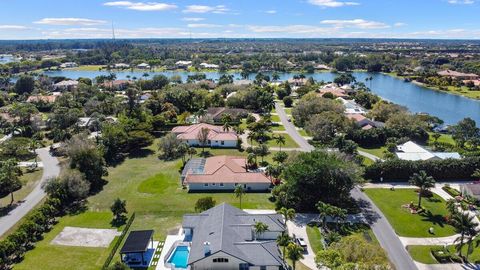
<point>301,242</point>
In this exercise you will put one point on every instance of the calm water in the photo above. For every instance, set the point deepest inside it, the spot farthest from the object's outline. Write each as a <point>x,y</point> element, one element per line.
<point>450,108</point>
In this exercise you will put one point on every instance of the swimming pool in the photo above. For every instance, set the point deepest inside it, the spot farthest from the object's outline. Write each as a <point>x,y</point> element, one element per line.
<point>180,257</point>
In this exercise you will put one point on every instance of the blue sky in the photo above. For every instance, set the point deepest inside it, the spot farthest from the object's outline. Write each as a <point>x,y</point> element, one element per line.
<point>53,19</point>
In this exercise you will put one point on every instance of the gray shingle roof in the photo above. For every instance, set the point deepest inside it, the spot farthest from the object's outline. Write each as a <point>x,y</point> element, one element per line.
<point>229,229</point>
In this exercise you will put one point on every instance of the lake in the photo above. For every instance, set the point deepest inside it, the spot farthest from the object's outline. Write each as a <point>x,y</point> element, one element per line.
<point>451,108</point>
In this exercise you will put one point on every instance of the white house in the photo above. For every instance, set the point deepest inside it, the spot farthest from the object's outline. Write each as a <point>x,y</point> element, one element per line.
<point>143,66</point>
<point>210,66</point>
<point>223,238</point>
<point>413,151</point>
<point>68,65</point>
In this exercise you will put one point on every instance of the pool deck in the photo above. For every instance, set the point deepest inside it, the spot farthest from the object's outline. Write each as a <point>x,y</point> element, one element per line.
<point>169,241</point>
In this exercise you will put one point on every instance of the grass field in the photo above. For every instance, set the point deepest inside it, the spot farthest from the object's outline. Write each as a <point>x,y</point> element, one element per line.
<point>289,142</point>
<point>423,254</point>
<point>275,118</point>
<point>444,138</point>
<point>278,128</point>
<point>407,224</point>
<point>47,256</point>
<point>379,152</point>
<point>152,189</point>
<point>29,180</point>
<point>315,238</point>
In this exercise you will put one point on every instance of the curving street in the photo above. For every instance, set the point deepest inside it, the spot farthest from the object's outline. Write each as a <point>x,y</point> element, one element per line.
<point>51,168</point>
<point>384,232</point>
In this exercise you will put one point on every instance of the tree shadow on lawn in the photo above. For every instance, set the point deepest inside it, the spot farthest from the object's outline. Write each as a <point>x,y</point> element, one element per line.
<point>434,219</point>
<point>140,153</point>
<point>8,208</point>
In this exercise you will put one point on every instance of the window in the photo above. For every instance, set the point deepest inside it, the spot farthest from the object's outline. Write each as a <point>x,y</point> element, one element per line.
<point>221,184</point>
<point>243,266</point>
<point>223,143</point>
<point>220,260</point>
<point>205,185</point>
<point>213,184</point>
<point>263,268</point>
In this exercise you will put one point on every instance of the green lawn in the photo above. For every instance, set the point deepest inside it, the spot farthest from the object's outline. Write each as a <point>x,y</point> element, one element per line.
<point>152,189</point>
<point>289,142</point>
<point>422,254</point>
<point>29,180</point>
<point>315,238</point>
<point>303,132</point>
<point>278,128</point>
<point>48,256</point>
<point>288,111</point>
<point>412,225</point>
<point>444,138</point>
<point>275,118</point>
<point>379,152</point>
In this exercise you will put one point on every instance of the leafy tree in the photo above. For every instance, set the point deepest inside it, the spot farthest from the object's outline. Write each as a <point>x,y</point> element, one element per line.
<point>168,146</point>
<point>344,78</point>
<point>9,178</point>
<point>317,175</point>
<point>24,85</point>
<point>309,106</point>
<point>204,204</point>
<point>202,138</point>
<point>288,101</point>
<point>138,139</point>
<point>119,266</point>
<point>114,140</point>
<point>239,192</point>
<point>85,156</point>
<point>280,157</point>
<point>465,131</point>
<point>330,258</point>
<point>326,125</point>
<point>119,209</point>
<point>383,110</point>
<point>324,210</point>
<point>294,253</point>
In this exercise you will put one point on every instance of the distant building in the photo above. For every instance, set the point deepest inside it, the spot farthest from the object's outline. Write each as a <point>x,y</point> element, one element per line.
<point>209,66</point>
<point>222,173</point>
<point>458,75</point>
<point>42,98</point>
<point>412,151</point>
<point>66,85</point>
<point>216,113</point>
<point>68,65</point>
<point>471,190</point>
<point>143,66</point>
<point>243,82</point>
<point>297,81</point>
<point>363,122</point>
<point>217,137</point>
<point>183,64</point>
<point>121,66</point>
<point>117,85</point>
<point>322,67</point>
<point>351,107</point>
<point>334,90</point>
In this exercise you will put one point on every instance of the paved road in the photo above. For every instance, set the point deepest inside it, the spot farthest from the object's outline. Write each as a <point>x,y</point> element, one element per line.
<point>385,234</point>
<point>50,169</point>
<point>291,130</point>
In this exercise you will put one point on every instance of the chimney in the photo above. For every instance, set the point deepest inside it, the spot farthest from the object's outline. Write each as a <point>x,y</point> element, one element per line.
<point>206,248</point>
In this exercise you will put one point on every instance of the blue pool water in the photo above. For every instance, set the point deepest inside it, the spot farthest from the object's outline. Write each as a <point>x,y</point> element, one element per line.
<point>180,257</point>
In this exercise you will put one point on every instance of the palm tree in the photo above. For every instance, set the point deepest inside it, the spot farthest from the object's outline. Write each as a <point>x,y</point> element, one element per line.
<point>471,237</point>
<point>260,228</point>
<point>294,253</point>
<point>191,152</point>
<point>464,224</point>
<point>251,160</point>
<point>226,120</point>
<point>239,192</point>
<point>33,148</point>
<point>202,138</point>
<point>288,214</point>
<point>280,140</point>
<point>283,240</point>
<point>422,181</point>
<point>435,137</point>
<point>251,136</point>
<point>324,210</point>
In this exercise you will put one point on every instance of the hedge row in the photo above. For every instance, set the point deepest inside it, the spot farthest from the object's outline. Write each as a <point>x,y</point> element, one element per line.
<point>402,170</point>
<point>118,242</point>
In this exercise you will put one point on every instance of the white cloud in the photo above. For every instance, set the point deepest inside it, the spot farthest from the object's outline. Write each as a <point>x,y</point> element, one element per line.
<point>332,3</point>
<point>202,25</point>
<point>142,6</point>
<point>69,21</point>
<point>461,2</point>
<point>288,29</point>
<point>271,11</point>
<point>356,23</point>
<point>12,27</point>
<point>193,19</point>
<point>220,9</point>
<point>399,24</point>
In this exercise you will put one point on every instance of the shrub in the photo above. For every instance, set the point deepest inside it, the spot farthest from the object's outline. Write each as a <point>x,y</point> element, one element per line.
<point>288,101</point>
<point>399,170</point>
